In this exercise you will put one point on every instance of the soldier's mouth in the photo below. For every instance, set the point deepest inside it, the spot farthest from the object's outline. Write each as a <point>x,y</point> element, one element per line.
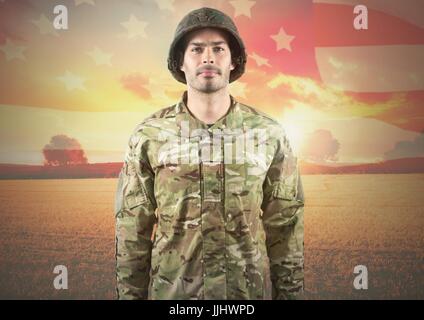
<point>208,73</point>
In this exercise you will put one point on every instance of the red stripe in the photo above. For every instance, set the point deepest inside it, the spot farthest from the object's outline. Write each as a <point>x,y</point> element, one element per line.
<point>408,116</point>
<point>333,26</point>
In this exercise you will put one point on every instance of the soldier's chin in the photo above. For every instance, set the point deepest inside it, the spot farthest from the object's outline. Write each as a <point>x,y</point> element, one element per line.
<point>209,89</point>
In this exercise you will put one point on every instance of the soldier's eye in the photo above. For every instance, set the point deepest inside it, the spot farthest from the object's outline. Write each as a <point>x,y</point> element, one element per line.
<point>219,49</point>
<point>196,49</point>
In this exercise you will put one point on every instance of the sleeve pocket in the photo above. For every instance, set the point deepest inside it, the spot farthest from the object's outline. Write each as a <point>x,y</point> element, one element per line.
<point>130,192</point>
<point>135,200</point>
<point>284,190</point>
<point>135,195</point>
<point>118,194</point>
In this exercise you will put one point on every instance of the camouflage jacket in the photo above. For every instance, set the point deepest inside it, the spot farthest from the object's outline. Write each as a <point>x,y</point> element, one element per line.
<point>209,212</point>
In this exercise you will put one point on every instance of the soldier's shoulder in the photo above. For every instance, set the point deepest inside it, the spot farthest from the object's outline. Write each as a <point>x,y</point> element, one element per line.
<point>150,125</point>
<point>252,115</point>
<point>157,119</point>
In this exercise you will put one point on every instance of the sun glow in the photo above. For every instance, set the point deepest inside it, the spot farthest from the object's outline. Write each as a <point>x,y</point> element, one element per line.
<point>299,121</point>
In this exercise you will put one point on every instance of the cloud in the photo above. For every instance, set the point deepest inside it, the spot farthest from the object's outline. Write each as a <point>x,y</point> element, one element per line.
<point>136,83</point>
<point>63,150</point>
<point>326,98</point>
<point>407,148</point>
<point>320,146</point>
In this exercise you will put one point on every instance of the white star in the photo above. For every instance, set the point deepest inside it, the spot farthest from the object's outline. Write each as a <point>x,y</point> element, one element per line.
<point>100,57</point>
<point>12,51</point>
<point>283,40</point>
<point>78,2</point>
<point>238,89</point>
<point>166,4</point>
<point>135,27</point>
<point>72,81</point>
<point>45,26</point>
<point>242,7</point>
<point>260,61</point>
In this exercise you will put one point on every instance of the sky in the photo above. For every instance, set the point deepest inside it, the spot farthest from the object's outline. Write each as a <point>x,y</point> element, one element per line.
<point>342,95</point>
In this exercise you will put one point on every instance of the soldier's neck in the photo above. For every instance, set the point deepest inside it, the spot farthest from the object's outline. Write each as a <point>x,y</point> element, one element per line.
<point>208,107</point>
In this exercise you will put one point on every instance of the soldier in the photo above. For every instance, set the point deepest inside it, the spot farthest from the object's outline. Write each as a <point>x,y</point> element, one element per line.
<point>217,178</point>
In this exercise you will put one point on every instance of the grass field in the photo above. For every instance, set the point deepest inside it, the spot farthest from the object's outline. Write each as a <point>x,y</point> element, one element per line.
<point>372,220</point>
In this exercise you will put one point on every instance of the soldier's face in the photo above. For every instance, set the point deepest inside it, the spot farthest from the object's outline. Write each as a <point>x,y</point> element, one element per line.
<point>207,60</point>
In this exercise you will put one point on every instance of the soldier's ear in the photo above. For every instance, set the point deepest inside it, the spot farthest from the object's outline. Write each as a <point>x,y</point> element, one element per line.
<point>180,60</point>
<point>233,66</point>
<point>181,63</point>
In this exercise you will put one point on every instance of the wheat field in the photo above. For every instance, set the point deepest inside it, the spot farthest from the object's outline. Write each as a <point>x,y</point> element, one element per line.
<point>372,220</point>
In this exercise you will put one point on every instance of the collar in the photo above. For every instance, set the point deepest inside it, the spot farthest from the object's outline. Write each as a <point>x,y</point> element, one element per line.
<point>232,120</point>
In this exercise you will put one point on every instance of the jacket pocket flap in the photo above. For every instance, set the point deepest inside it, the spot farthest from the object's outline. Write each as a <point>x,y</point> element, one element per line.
<point>136,199</point>
<point>284,190</point>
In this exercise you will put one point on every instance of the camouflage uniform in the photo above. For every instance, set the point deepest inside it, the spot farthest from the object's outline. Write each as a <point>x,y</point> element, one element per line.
<point>225,229</point>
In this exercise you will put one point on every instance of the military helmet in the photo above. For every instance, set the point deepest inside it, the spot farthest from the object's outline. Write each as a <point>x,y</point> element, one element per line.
<point>207,18</point>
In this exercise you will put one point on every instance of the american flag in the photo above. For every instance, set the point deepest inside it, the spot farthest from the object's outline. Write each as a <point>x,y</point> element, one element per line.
<point>343,95</point>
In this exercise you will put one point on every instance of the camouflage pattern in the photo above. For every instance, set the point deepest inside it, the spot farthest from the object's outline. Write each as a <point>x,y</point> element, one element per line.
<point>203,18</point>
<point>224,230</point>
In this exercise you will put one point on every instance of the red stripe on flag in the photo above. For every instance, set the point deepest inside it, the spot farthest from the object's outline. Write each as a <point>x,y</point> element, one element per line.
<point>333,26</point>
<point>408,116</point>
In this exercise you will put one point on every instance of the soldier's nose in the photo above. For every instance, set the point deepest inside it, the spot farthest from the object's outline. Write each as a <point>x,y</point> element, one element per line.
<point>208,57</point>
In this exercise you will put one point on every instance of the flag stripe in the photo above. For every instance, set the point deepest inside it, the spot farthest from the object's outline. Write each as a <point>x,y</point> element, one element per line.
<point>372,68</point>
<point>333,26</point>
<point>409,10</point>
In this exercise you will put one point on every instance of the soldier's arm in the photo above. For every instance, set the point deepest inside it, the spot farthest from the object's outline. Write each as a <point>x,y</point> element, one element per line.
<point>135,218</point>
<point>283,208</point>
